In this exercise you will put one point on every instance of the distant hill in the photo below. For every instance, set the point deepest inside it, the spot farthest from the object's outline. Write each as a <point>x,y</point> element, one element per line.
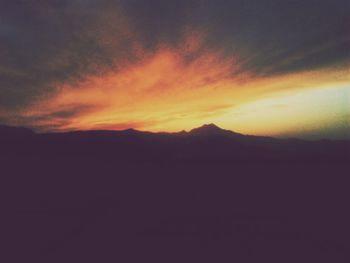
<point>114,194</point>
<point>212,129</point>
<point>206,142</point>
<point>9,132</point>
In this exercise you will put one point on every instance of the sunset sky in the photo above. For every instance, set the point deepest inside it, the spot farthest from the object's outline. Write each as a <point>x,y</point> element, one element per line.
<point>264,67</point>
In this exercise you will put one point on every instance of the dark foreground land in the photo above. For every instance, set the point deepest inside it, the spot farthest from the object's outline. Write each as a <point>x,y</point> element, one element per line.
<point>205,196</point>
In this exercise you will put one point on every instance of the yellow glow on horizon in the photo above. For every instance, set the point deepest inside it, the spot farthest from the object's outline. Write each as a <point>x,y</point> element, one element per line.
<point>296,113</point>
<point>168,91</point>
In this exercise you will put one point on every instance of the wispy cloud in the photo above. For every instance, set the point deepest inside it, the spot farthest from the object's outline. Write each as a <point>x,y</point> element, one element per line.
<point>76,64</point>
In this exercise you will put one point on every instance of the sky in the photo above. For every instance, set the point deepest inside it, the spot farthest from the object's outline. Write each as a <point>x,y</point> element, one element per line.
<point>274,67</point>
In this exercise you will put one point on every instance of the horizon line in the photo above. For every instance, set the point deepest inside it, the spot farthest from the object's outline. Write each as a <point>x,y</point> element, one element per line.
<point>187,131</point>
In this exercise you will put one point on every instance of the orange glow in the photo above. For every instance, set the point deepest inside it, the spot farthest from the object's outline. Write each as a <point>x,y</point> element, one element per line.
<point>160,88</point>
<point>172,89</point>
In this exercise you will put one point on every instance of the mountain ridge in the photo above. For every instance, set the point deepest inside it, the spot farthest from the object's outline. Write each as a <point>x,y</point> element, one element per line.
<point>208,142</point>
<point>206,130</point>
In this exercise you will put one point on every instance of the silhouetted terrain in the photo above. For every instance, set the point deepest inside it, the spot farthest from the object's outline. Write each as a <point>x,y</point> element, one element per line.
<point>208,195</point>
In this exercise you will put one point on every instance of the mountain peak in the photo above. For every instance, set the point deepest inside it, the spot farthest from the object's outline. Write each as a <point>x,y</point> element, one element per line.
<point>208,129</point>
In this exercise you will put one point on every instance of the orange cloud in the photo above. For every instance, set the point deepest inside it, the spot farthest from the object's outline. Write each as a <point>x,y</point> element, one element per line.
<point>175,88</point>
<point>172,83</point>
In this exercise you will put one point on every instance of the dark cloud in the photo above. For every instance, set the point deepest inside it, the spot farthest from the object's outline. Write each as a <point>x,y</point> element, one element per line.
<point>268,32</point>
<point>47,42</point>
<point>50,120</point>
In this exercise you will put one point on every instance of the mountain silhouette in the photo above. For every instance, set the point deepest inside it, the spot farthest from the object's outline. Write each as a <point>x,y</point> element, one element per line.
<point>8,131</point>
<point>210,129</point>
<point>207,195</point>
<point>206,142</point>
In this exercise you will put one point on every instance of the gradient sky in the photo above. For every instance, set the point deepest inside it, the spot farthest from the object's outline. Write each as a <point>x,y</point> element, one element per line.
<point>264,67</point>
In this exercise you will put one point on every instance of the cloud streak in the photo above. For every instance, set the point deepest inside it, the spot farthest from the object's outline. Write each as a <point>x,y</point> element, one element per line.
<point>159,64</point>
